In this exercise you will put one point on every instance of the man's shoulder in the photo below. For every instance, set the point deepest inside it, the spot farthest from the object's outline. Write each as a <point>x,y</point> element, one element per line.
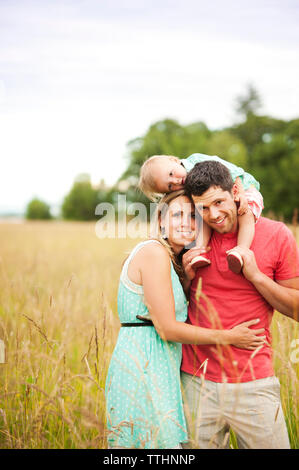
<point>272,229</point>
<point>268,224</point>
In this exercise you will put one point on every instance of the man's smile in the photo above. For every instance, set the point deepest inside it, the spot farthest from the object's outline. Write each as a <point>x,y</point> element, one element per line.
<point>219,221</point>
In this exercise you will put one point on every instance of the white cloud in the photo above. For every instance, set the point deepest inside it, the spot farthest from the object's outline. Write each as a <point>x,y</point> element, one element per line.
<point>77,84</point>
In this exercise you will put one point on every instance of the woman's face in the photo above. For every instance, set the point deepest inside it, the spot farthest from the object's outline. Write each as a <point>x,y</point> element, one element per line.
<point>179,223</point>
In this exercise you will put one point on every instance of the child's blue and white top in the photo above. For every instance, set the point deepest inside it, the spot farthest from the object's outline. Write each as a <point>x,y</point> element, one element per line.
<point>247,179</point>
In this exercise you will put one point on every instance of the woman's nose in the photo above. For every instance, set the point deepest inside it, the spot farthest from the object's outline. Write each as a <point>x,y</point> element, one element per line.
<point>185,221</point>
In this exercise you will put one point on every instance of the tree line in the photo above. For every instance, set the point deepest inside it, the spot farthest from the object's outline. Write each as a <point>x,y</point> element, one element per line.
<point>264,146</point>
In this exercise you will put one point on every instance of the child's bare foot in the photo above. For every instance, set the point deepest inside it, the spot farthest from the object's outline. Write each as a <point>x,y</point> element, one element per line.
<point>234,261</point>
<point>200,262</point>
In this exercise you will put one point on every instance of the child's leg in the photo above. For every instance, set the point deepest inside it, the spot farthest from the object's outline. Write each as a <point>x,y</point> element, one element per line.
<point>246,229</point>
<point>245,237</point>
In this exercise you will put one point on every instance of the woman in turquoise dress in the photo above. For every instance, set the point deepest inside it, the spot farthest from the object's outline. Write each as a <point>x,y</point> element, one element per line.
<point>143,396</point>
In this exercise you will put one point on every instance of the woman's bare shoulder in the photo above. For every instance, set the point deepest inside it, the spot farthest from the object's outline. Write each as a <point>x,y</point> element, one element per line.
<point>152,253</point>
<point>154,248</point>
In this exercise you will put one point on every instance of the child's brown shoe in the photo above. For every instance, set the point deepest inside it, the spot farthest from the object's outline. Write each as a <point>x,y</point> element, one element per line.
<point>200,262</point>
<point>235,261</point>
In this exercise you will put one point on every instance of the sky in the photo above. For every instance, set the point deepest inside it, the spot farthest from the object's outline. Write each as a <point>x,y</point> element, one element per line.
<point>81,78</point>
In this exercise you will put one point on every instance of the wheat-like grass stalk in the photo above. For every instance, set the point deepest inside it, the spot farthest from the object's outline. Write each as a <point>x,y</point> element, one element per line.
<point>58,319</point>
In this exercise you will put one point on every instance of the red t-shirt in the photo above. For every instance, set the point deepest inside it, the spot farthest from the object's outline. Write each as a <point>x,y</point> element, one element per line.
<point>228,299</point>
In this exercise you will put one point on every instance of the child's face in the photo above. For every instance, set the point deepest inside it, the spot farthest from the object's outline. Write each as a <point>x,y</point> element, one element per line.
<point>169,175</point>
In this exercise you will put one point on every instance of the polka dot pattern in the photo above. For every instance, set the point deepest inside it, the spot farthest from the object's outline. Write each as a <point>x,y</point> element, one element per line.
<point>143,395</point>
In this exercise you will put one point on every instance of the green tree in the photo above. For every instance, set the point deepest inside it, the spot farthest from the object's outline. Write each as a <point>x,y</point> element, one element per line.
<point>264,146</point>
<point>257,130</point>
<point>81,201</point>
<point>38,210</point>
<point>249,102</point>
<point>166,137</point>
<point>228,146</point>
<point>276,166</point>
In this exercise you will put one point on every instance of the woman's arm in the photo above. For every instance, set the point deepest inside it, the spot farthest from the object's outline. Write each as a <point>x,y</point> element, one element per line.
<point>158,295</point>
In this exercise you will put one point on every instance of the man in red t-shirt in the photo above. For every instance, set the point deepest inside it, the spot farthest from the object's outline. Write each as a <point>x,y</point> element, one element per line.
<point>225,387</point>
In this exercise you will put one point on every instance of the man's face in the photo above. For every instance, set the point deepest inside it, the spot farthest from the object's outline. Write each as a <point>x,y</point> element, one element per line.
<point>218,209</point>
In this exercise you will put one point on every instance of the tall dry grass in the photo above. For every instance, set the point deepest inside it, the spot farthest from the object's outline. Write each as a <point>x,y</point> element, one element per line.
<point>58,291</point>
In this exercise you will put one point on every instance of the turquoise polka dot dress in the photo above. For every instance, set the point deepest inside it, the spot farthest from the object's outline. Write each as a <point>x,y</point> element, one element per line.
<point>143,395</point>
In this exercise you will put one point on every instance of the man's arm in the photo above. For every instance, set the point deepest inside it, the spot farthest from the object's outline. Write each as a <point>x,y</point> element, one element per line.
<point>281,295</point>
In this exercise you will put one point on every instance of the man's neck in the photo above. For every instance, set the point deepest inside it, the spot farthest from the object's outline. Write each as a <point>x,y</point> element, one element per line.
<point>235,227</point>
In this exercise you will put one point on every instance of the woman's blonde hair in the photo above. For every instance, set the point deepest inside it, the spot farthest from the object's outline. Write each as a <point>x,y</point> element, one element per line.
<point>147,183</point>
<point>160,213</point>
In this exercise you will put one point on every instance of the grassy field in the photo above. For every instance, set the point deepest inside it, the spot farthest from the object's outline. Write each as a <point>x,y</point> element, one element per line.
<point>58,289</point>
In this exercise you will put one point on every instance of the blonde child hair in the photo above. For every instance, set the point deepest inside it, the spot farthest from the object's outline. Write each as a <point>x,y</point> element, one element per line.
<point>147,183</point>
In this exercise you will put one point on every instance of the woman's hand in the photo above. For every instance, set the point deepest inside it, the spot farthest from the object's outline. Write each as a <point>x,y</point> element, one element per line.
<point>241,336</point>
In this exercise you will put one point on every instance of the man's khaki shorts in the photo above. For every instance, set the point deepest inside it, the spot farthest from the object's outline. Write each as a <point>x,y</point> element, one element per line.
<point>251,409</point>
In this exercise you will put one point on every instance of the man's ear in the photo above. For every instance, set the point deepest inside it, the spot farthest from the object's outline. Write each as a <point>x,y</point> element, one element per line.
<point>232,193</point>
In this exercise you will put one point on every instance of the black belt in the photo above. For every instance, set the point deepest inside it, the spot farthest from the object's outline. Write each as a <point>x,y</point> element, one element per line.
<point>143,323</point>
